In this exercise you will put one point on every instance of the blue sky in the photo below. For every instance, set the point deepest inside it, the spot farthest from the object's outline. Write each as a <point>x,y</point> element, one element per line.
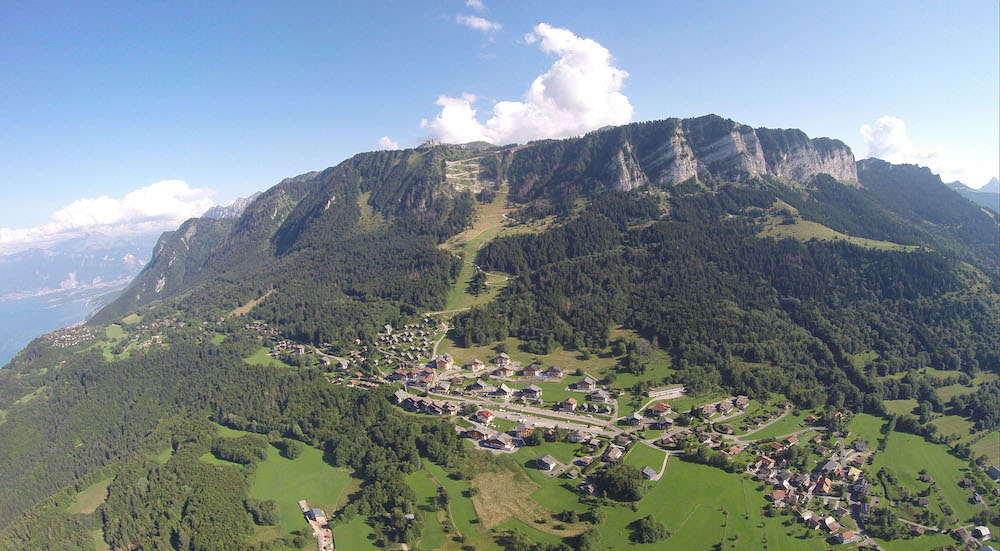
<point>102,99</point>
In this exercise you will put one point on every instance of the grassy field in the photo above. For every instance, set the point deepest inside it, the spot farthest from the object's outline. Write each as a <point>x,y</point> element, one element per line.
<point>218,338</point>
<point>164,456</point>
<point>89,500</point>
<point>260,357</point>
<point>427,491</point>
<point>353,536</point>
<point>804,230</point>
<point>489,223</point>
<point>947,392</point>
<point>990,447</point>
<point>131,319</point>
<point>787,424</point>
<point>287,481</point>
<point>704,507</point>
<point>901,407</point>
<point>866,427</point>
<point>564,452</point>
<point>907,454</point>
<point>462,511</point>
<point>243,310</point>
<point>114,332</point>
<point>642,455</point>
<point>953,424</point>
<point>930,540</point>
<point>98,538</point>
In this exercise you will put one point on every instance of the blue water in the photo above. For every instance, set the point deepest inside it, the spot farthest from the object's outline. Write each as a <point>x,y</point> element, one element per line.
<point>21,321</point>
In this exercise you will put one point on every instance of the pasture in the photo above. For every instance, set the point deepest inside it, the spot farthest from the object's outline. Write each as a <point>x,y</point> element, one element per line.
<point>907,455</point>
<point>640,455</point>
<point>260,357</point>
<point>90,499</point>
<point>308,477</point>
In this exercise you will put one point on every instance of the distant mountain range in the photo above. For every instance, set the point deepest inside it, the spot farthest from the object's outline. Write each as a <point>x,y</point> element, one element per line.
<point>232,210</point>
<point>987,196</point>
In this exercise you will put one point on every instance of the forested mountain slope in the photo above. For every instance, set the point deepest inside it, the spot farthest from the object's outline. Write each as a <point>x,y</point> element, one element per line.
<point>760,260</point>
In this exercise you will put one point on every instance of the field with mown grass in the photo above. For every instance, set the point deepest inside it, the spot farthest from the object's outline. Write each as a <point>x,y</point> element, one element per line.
<point>907,455</point>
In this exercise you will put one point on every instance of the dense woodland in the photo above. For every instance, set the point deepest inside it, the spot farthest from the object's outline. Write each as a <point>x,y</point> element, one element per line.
<point>735,310</point>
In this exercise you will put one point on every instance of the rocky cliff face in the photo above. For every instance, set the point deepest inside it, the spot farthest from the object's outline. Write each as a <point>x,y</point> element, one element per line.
<point>232,210</point>
<point>714,147</point>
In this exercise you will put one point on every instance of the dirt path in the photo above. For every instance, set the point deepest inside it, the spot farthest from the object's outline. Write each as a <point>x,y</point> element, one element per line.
<point>434,351</point>
<point>447,505</point>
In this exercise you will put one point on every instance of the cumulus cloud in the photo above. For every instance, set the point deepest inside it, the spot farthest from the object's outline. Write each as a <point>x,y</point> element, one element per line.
<point>477,5</point>
<point>580,92</point>
<point>157,207</point>
<point>385,143</point>
<point>888,140</point>
<point>478,23</point>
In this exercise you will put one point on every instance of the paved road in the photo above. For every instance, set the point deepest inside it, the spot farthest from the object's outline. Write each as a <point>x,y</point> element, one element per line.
<point>580,420</point>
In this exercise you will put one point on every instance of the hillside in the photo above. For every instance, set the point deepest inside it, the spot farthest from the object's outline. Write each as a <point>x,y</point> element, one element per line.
<point>702,252</point>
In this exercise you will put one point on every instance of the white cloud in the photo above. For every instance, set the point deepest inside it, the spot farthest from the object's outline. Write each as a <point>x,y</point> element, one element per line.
<point>157,207</point>
<point>580,92</point>
<point>887,139</point>
<point>477,5</point>
<point>385,143</point>
<point>478,23</point>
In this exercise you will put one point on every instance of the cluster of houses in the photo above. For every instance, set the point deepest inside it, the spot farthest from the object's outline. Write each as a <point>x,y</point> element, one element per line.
<point>417,404</point>
<point>70,336</point>
<point>422,377</point>
<point>570,405</point>
<point>410,344</point>
<point>724,407</point>
<point>261,327</point>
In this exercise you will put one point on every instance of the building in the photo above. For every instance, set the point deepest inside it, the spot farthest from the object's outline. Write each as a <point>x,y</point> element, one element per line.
<point>531,371</point>
<point>476,433</point>
<point>503,391</point>
<point>633,419</point>
<point>742,401</point>
<point>659,409</point>
<point>502,372</point>
<point>845,536</point>
<point>523,430</point>
<point>586,384</point>
<point>500,441</point>
<point>981,532</point>
<point>316,514</point>
<point>569,404</point>
<point>531,391</point>
<point>613,453</point>
<point>554,372</point>
<point>485,417</point>
<point>578,436</point>
<point>444,362</point>
<point>546,462</point>
<point>993,472</point>
<point>502,360</point>
<point>670,391</point>
<point>663,423</point>
<point>475,366</point>
<point>399,396</point>
<point>599,396</point>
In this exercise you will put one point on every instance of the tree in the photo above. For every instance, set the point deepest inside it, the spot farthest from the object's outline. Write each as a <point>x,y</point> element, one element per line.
<point>648,530</point>
<point>292,449</point>
<point>621,482</point>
